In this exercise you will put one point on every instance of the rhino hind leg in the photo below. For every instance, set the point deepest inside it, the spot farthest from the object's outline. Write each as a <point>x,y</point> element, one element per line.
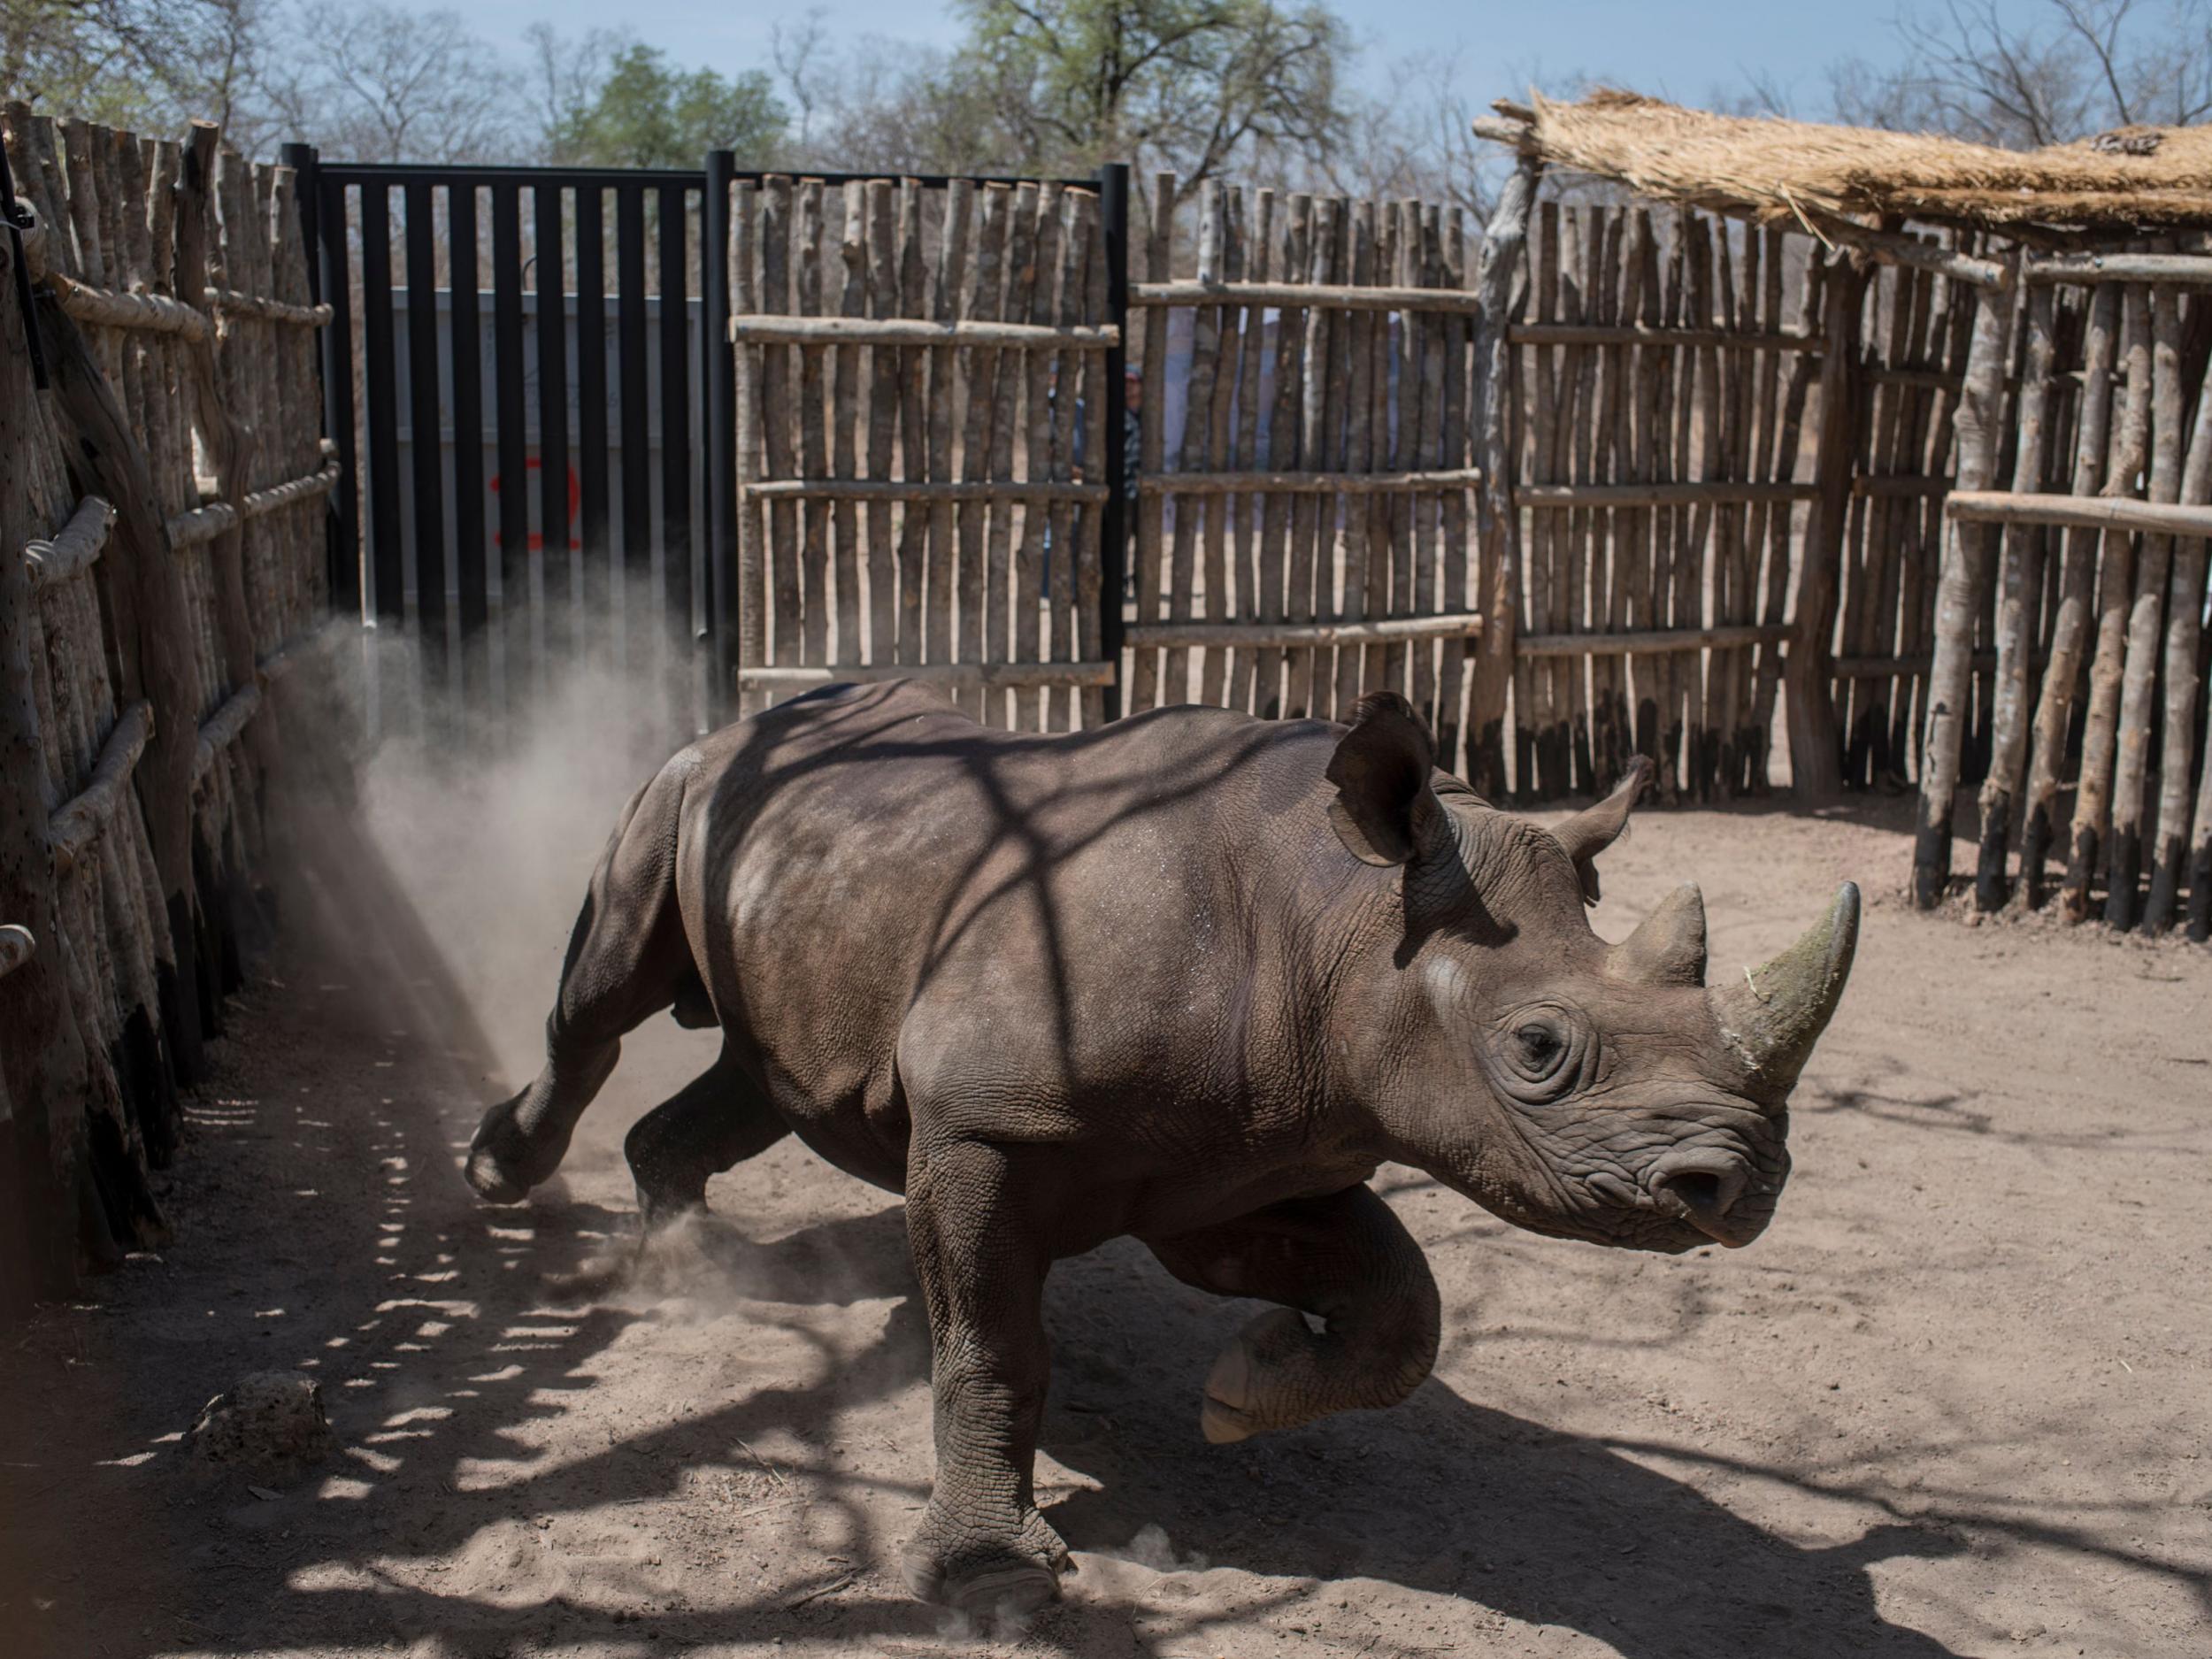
<point>713,1123</point>
<point>627,960</point>
<point>1347,1260</point>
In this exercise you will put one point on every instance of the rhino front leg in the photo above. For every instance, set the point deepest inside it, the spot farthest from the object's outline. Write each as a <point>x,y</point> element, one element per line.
<point>981,1547</point>
<point>627,959</point>
<point>1346,1259</point>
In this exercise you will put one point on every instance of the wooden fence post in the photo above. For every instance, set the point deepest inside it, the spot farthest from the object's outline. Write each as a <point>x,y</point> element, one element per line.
<point>2019,585</point>
<point>2184,684</point>
<point>47,1079</point>
<point>2200,849</point>
<point>2062,675</point>
<point>2145,630</point>
<point>1113,206</point>
<point>2093,800</point>
<point>227,441</point>
<point>1498,533</point>
<point>1808,668</point>
<point>1958,595</point>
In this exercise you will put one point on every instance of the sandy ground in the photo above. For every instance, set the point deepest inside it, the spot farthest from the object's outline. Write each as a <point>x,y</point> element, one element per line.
<point>1956,1401</point>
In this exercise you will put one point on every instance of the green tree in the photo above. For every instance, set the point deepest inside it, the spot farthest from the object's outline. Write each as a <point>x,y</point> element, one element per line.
<point>645,113</point>
<point>1189,84</point>
<point>144,64</point>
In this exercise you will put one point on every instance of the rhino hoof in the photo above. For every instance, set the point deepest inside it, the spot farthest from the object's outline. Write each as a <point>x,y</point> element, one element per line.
<point>1003,1580</point>
<point>1001,1593</point>
<point>1010,1589</point>
<point>505,1162</point>
<point>1222,1425</point>
<point>491,1179</point>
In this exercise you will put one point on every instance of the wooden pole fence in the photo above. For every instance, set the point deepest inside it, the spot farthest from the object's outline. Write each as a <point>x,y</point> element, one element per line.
<point>1649,641</point>
<point>1460,478</point>
<point>894,489</point>
<point>957,676</point>
<point>1718,339</point>
<point>894,331</point>
<point>176,320</point>
<point>1305,297</point>
<point>2180,269</point>
<point>2086,512</point>
<point>1689,493</point>
<point>1255,635</point>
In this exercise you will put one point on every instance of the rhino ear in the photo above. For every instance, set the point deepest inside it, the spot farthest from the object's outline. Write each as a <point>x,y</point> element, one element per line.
<point>1590,832</point>
<point>1381,772</point>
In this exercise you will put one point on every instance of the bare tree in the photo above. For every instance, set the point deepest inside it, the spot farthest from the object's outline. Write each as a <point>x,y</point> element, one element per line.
<point>884,104</point>
<point>803,59</point>
<point>1417,140</point>
<point>2085,66</point>
<point>375,83</point>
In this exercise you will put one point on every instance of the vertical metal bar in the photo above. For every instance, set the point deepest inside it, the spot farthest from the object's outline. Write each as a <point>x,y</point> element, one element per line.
<point>591,400</point>
<point>306,188</point>
<point>552,285</point>
<point>720,368</point>
<point>514,482</point>
<point>1113,553</point>
<point>307,192</point>
<point>336,270</point>
<point>425,409</point>
<point>381,390</point>
<point>677,553</point>
<point>637,505</point>
<point>464,332</point>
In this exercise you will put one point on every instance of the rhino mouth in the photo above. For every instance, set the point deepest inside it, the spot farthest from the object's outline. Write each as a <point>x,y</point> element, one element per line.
<point>1684,1207</point>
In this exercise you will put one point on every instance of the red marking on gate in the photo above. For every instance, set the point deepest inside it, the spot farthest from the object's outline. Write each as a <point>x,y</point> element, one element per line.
<point>575,506</point>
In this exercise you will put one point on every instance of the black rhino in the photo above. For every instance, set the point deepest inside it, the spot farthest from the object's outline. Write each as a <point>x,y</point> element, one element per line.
<point>1191,978</point>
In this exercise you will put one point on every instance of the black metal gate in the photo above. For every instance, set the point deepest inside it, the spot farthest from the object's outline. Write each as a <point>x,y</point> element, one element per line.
<point>519,369</point>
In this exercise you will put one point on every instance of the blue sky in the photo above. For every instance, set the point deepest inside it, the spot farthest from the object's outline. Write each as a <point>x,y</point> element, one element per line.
<point>1682,48</point>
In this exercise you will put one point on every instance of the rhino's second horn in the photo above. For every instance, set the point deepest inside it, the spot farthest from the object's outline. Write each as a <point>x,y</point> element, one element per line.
<point>1668,947</point>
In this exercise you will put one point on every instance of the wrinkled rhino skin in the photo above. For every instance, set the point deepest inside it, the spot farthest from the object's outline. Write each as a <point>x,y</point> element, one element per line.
<point>1191,978</point>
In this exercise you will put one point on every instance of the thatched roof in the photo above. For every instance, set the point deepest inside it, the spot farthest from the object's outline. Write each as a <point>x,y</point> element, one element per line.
<point>1780,170</point>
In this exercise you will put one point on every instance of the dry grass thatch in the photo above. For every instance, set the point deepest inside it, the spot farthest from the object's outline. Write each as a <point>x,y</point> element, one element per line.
<point>1780,169</point>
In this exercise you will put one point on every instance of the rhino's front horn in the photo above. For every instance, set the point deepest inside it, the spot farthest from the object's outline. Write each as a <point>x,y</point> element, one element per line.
<point>1772,1016</point>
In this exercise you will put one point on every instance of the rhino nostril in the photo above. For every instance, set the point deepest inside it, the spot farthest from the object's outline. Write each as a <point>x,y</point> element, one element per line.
<point>1697,1188</point>
<point>1707,1185</point>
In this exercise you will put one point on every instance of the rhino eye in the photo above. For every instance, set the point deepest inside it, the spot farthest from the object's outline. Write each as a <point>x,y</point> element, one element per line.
<point>1540,1055</point>
<point>1542,1049</point>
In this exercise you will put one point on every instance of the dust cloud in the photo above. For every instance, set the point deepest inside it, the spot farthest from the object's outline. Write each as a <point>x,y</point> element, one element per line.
<point>443,859</point>
<point>492,820</point>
